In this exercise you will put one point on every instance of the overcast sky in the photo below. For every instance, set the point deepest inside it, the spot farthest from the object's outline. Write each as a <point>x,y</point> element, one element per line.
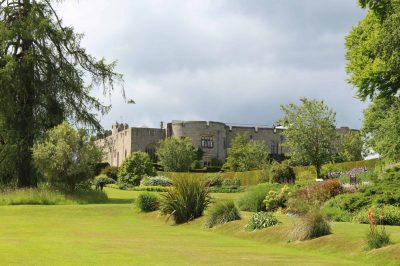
<point>231,61</point>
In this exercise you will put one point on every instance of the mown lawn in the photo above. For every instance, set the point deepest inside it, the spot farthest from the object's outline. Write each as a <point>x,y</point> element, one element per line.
<point>117,234</point>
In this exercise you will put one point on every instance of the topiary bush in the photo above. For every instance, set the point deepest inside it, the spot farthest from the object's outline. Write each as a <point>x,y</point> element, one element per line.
<point>222,213</point>
<point>156,181</point>
<point>312,225</point>
<point>147,202</point>
<point>186,200</point>
<point>260,220</point>
<point>253,199</point>
<point>134,168</point>
<point>282,173</point>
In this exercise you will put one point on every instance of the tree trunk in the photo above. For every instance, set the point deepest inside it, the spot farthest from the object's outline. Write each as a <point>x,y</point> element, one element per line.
<point>318,170</point>
<point>25,118</point>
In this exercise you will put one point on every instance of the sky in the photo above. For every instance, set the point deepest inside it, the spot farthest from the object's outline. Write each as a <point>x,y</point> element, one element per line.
<point>233,61</point>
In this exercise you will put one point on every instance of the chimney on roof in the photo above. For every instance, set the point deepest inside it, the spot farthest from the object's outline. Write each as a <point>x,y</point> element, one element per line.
<point>162,125</point>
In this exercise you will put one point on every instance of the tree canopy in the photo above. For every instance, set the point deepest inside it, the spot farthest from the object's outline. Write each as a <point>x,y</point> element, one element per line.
<point>373,50</point>
<point>245,155</point>
<point>134,168</point>
<point>351,146</point>
<point>382,128</point>
<point>45,79</point>
<point>310,133</point>
<point>66,157</point>
<point>176,154</point>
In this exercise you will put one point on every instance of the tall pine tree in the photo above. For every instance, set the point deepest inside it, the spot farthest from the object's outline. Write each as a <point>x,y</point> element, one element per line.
<point>45,78</point>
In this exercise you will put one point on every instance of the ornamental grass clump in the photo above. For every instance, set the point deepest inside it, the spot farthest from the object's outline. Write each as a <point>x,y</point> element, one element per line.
<point>186,200</point>
<point>312,225</point>
<point>147,202</point>
<point>260,220</point>
<point>222,213</point>
<point>377,236</point>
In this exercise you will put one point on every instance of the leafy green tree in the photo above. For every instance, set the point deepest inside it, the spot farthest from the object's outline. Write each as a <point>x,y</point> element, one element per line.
<point>45,79</point>
<point>176,154</point>
<point>310,133</point>
<point>244,155</point>
<point>134,168</point>
<point>381,126</point>
<point>66,157</point>
<point>373,48</point>
<point>351,146</point>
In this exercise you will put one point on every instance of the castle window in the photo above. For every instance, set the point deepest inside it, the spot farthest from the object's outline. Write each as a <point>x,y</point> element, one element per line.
<point>151,151</point>
<point>207,142</point>
<point>274,148</point>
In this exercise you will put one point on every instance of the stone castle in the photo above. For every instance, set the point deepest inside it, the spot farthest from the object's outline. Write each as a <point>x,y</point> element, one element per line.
<point>213,138</point>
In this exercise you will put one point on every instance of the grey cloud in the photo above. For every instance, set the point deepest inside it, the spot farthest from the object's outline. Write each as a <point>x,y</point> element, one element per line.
<point>233,61</point>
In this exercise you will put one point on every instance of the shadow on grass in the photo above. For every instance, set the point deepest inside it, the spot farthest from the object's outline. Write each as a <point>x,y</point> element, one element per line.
<point>119,201</point>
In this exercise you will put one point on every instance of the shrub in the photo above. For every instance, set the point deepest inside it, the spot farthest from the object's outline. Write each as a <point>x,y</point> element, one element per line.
<point>334,213</point>
<point>152,188</point>
<point>260,220</point>
<point>391,215</point>
<point>213,180</point>
<point>156,181</point>
<point>103,179</point>
<point>244,155</point>
<point>253,199</point>
<point>186,200</point>
<point>111,172</point>
<point>312,225</point>
<point>275,200</point>
<point>231,182</point>
<point>282,173</point>
<point>176,154</point>
<point>135,168</point>
<point>319,192</point>
<point>147,202</point>
<point>66,157</point>
<point>377,236</point>
<point>222,213</point>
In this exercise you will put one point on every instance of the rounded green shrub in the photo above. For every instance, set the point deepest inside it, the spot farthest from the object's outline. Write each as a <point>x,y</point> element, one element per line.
<point>275,200</point>
<point>111,172</point>
<point>282,173</point>
<point>253,199</point>
<point>222,213</point>
<point>147,202</point>
<point>186,200</point>
<point>134,168</point>
<point>260,220</point>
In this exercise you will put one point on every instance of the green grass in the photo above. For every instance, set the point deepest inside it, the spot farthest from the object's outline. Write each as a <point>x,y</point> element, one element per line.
<point>43,196</point>
<point>118,234</point>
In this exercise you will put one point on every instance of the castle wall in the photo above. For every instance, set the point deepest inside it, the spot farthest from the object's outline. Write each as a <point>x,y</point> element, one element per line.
<point>200,132</point>
<point>213,138</point>
<point>272,138</point>
<point>142,138</point>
